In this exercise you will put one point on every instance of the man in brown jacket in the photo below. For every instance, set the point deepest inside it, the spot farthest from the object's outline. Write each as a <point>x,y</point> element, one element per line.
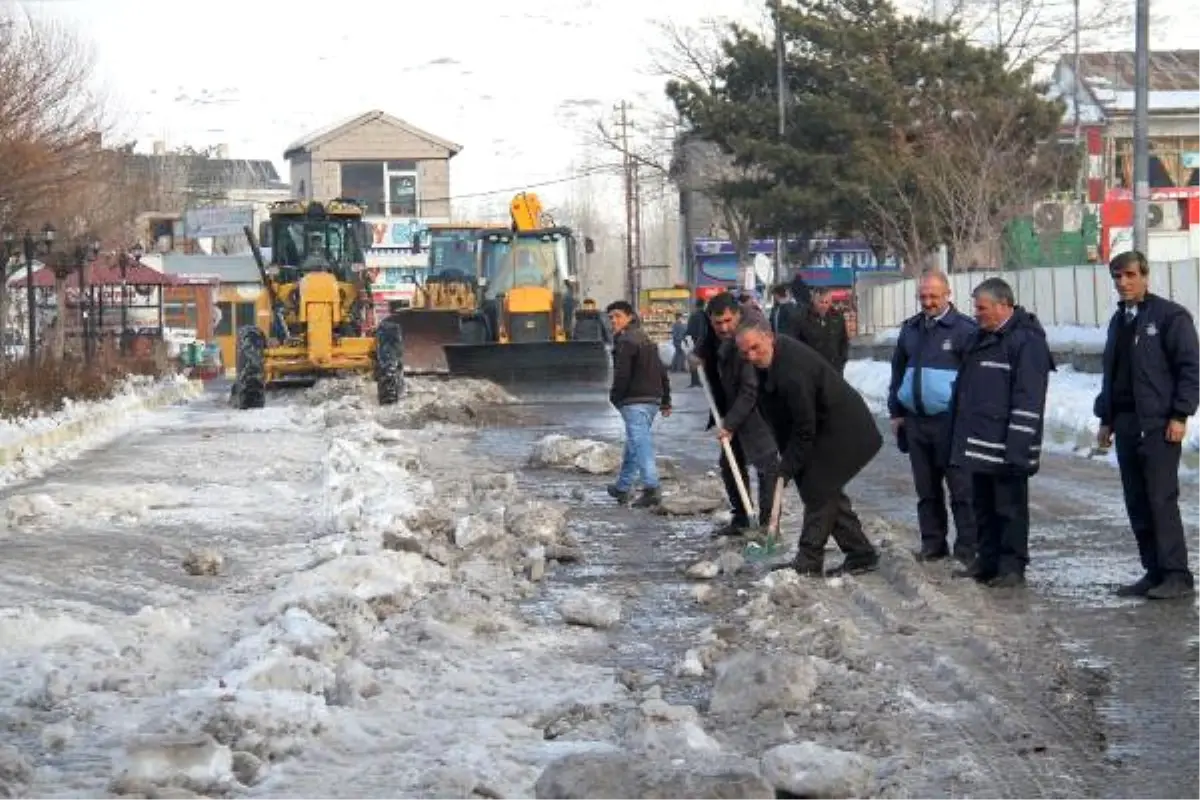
<point>641,388</point>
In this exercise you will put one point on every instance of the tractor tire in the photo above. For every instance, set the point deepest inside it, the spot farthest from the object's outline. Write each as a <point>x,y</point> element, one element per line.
<point>250,388</point>
<point>473,330</point>
<point>389,362</point>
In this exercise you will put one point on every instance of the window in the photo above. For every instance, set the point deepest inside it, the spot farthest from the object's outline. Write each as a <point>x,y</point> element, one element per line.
<point>224,326</point>
<point>402,194</point>
<point>364,181</point>
<point>245,315</point>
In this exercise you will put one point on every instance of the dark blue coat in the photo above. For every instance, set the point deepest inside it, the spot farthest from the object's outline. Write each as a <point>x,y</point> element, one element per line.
<point>937,353</point>
<point>1000,398</point>
<point>1166,364</point>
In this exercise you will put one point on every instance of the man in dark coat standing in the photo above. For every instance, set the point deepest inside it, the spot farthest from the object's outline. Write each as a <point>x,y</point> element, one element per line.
<point>697,326</point>
<point>1151,386</point>
<point>999,403</point>
<point>826,435</point>
<point>735,393</point>
<point>823,329</point>
<point>783,308</point>
<point>925,365</point>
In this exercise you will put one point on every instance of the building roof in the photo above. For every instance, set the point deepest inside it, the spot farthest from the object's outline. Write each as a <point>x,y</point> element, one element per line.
<point>206,175</point>
<point>315,139</point>
<point>1107,85</point>
<point>104,271</point>
<point>226,269</point>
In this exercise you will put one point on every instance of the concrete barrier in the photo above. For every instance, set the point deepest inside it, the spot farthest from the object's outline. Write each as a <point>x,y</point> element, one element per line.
<point>100,419</point>
<point>1081,360</point>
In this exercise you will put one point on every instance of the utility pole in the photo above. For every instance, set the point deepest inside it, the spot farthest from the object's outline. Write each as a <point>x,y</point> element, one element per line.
<point>637,231</point>
<point>1141,133</point>
<point>628,174</point>
<point>781,92</point>
<point>1079,179</point>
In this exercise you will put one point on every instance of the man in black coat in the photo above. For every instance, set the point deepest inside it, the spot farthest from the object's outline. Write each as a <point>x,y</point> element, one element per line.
<point>826,434</point>
<point>783,308</point>
<point>998,404</point>
<point>697,326</point>
<point>735,393</point>
<point>823,329</point>
<point>1151,386</point>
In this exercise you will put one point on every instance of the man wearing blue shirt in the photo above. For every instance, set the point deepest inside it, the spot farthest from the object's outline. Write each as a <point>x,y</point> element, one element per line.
<point>928,354</point>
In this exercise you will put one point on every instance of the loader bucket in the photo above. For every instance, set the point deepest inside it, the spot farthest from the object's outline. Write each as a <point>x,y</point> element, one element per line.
<point>575,362</point>
<point>425,334</point>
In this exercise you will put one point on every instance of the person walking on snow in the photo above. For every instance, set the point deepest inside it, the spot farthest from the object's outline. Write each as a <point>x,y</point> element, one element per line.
<point>641,388</point>
<point>928,353</point>
<point>999,403</point>
<point>1151,385</point>
<point>826,434</point>
<point>735,394</point>
<point>678,334</point>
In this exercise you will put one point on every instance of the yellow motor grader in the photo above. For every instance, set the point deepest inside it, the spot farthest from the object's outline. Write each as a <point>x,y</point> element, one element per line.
<point>314,315</point>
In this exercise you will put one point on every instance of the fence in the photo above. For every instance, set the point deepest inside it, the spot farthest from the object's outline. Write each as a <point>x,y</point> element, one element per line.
<point>1057,295</point>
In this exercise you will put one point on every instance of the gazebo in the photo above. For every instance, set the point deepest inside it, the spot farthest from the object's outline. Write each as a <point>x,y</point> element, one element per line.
<point>110,295</point>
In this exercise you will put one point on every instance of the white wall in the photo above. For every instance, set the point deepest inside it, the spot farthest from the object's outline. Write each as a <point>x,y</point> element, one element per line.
<point>1057,295</point>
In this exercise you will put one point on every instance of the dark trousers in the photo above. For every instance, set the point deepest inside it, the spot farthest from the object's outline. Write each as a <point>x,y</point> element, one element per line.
<point>678,360</point>
<point>1001,504</point>
<point>928,453</point>
<point>695,377</point>
<point>1150,477</point>
<point>834,517</point>
<point>768,473</point>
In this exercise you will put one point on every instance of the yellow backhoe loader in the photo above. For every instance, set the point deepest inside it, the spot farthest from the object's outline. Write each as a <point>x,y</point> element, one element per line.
<point>527,326</point>
<point>314,315</point>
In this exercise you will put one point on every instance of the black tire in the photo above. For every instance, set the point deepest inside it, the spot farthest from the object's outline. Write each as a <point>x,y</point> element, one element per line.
<point>250,386</point>
<point>389,362</point>
<point>473,330</point>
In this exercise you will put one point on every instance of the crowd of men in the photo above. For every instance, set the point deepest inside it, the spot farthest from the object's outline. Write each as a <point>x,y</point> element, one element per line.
<point>967,404</point>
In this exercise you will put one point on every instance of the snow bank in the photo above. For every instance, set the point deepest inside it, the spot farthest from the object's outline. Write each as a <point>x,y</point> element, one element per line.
<point>1070,423</point>
<point>1061,337</point>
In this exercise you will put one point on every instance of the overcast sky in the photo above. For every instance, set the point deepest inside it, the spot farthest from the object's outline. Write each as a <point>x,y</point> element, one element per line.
<point>515,82</point>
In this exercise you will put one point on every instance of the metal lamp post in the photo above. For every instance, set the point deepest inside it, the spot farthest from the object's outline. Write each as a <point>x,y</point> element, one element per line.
<point>136,252</point>
<point>48,233</point>
<point>8,249</point>
<point>84,255</point>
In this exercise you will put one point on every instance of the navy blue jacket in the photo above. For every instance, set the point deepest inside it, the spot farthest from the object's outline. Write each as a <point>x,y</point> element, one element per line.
<point>1000,398</point>
<point>937,353</point>
<point>1166,364</point>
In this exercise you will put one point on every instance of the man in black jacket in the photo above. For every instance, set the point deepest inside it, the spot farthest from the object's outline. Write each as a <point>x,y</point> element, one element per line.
<point>783,308</point>
<point>827,435</point>
<point>1151,386</point>
<point>641,388</point>
<point>998,406</point>
<point>735,393</point>
<point>697,325</point>
<point>823,329</point>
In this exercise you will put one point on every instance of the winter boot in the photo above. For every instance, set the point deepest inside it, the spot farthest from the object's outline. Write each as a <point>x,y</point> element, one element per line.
<point>618,494</point>
<point>649,498</point>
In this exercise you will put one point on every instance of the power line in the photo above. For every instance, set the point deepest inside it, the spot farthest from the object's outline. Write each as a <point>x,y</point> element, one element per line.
<point>609,168</point>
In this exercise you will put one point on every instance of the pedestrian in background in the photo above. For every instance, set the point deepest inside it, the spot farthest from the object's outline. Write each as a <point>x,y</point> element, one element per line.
<point>823,328</point>
<point>999,402</point>
<point>826,436</point>
<point>641,388</point>
<point>782,309</point>
<point>1151,385</point>
<point>736,397</point>
<point>678,334</point>
<point>697,326</point>
<point>929,352</point>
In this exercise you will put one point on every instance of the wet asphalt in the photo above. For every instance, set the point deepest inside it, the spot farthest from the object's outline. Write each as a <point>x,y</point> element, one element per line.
<point>1145,652</point>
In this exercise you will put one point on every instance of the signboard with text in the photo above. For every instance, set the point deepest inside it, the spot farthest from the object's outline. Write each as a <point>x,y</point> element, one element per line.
<point>399,232</point>
<point>215,221</point>
<point>834,262</point>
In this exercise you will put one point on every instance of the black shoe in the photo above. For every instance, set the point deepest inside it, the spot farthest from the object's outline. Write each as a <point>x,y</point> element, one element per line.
<point>928,555</point>
<point>1138,588</point>
<point>649,498</point>
<point>965,555</point>
<point>618,494</point>
<point>736,527</point>
<point>1007,580</point>
<point>856,564</point>
<point>806,569</point>
<point>1173,587</point>
<point>975,572</point>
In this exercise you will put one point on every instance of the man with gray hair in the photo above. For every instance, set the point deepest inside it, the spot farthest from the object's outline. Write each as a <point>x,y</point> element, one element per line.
<point>999,402</point>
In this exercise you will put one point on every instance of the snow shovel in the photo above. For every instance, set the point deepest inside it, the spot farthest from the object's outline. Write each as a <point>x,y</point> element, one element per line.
<point>725,445</point>
<point>758,551</point>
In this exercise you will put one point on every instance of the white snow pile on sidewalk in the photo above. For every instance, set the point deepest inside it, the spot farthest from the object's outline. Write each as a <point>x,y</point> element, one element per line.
<point>1070,423</point>
<point>1086,338</point>
<point>392,660</point>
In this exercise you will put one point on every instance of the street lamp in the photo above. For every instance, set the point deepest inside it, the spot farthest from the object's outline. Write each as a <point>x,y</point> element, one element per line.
<point>84,254</point>
<point>48,233</point>
<point>8,249</point>
<point>136,252</point>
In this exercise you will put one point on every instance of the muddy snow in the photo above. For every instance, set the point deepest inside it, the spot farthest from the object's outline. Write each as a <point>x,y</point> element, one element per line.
<point>331,599</point>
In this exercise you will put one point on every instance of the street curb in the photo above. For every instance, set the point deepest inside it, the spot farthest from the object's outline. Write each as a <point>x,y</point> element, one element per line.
<point>78,428</point>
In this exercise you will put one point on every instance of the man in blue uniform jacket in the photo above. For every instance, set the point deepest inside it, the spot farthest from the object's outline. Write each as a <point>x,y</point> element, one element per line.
<point>928,353</point>
<point>998,404</point>
<point>1151,386</point>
